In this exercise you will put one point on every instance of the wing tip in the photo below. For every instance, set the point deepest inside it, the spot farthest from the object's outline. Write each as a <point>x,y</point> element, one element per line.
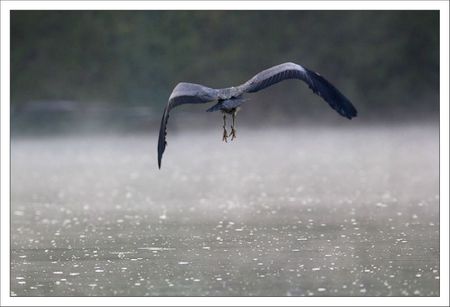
<point>351,113</point>
<point>160,154</point>
<point>162,136</point>
<point>322,87</point>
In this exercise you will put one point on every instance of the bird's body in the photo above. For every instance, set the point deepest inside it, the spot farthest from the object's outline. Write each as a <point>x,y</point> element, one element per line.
<point>228,106</point>
<point>229,100</point>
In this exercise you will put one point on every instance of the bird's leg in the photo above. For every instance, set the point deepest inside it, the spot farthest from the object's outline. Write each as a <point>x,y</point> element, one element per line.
<point>225,134</point>
<point>233,131</point>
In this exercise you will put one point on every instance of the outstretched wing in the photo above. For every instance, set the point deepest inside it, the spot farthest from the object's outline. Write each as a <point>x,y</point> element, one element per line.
<point>316,82</point>
<point>183,93</point>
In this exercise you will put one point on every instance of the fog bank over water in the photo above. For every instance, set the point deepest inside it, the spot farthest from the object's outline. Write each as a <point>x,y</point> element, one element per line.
<point>300,210</point>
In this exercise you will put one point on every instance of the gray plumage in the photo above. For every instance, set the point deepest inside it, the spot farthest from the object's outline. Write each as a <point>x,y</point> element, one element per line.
<point>228,99</point>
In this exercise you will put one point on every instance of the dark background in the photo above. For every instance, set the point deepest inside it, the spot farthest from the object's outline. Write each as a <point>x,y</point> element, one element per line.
<point>117,68</point>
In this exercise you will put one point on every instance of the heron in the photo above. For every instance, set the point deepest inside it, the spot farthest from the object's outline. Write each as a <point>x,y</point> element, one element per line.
<point>229,100</point>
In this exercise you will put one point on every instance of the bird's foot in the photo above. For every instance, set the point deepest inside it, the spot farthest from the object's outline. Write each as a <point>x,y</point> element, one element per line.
<point>225,135</point>
<point>233,133</point>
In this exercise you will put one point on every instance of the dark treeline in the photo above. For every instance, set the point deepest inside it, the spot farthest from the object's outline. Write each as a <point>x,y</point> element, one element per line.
<point>382,60</point>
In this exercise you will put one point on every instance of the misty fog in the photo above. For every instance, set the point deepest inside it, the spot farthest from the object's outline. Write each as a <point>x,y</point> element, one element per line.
<point>299,210</point>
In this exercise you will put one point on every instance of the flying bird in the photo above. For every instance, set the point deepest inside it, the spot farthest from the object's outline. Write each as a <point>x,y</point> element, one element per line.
<point>230,99</point>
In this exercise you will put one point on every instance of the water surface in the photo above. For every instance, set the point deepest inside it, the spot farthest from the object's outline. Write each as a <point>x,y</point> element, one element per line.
<point>301,211</point>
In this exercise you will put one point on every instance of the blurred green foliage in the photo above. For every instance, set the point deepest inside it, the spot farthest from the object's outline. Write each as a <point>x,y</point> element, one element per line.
<point>379,59</point>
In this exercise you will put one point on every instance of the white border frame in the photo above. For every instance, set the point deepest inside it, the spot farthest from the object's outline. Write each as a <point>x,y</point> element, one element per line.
<point>7,6</point>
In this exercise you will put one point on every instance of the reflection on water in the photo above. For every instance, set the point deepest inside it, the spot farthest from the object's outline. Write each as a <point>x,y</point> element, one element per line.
<point>288,212</point>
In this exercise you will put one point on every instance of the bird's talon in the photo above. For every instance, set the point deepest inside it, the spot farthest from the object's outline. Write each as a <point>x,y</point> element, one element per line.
<point>233,134</point>
<point>225,136</point>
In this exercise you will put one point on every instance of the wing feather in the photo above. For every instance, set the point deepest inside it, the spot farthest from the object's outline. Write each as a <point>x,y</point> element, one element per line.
<point>183,93</point>
<point>190,93</point>
<point>318,84</point>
